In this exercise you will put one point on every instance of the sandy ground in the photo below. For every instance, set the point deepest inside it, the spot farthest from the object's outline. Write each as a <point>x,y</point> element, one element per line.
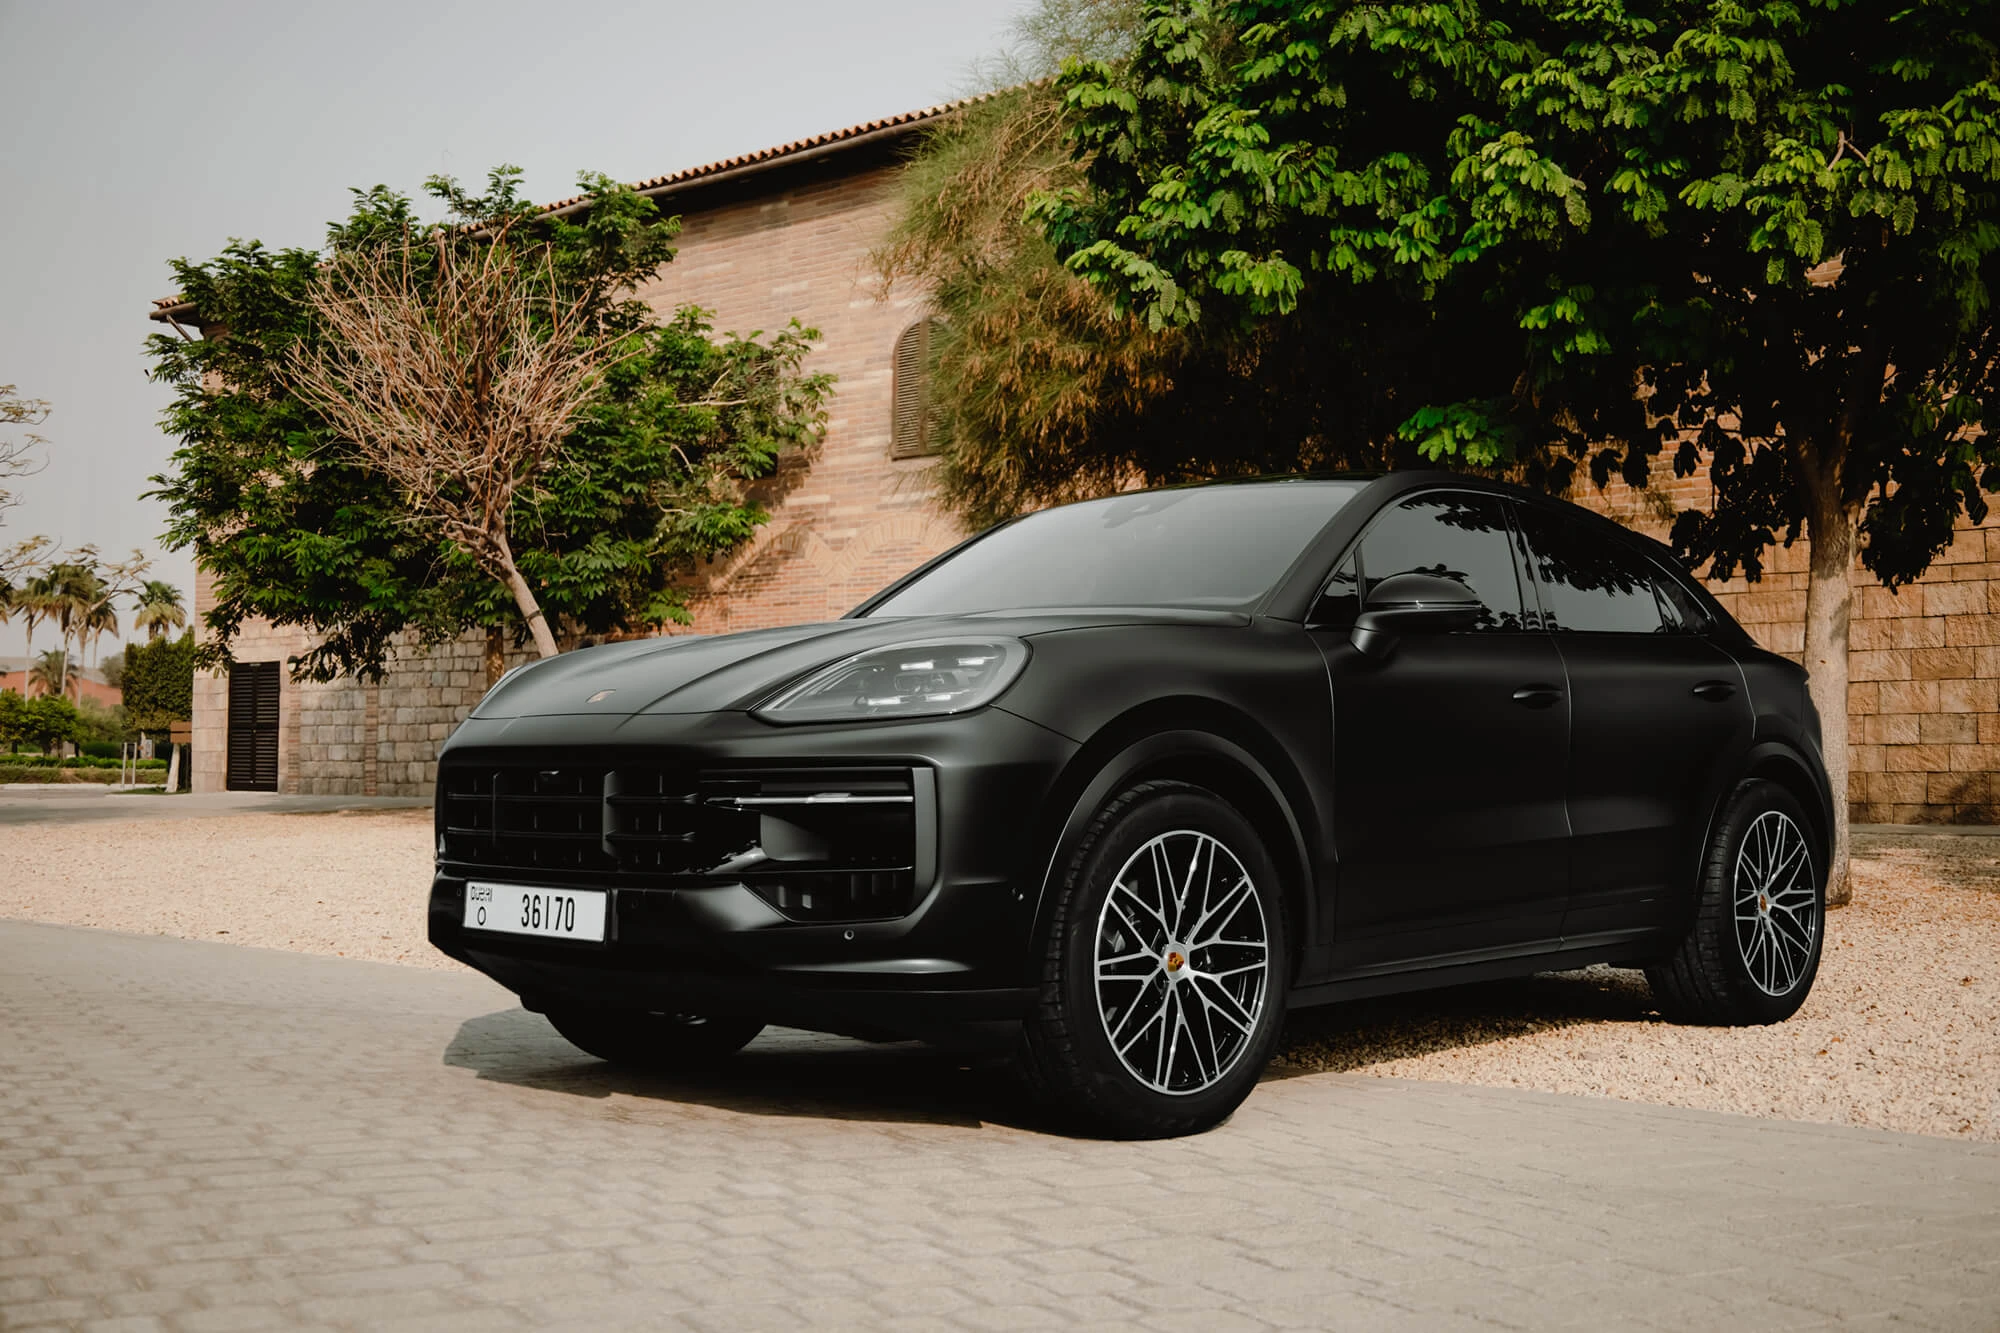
<point>354,883</point>
<point>1902,1030</point>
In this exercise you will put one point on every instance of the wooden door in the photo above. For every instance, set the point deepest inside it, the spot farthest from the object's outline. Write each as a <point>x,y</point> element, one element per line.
<point>253,726</point>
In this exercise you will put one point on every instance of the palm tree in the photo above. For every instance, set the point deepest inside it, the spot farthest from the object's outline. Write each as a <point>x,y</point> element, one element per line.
<point>37,601</point>
<point>51,672</point>
<point>159,609</point>
<point>72,589</point>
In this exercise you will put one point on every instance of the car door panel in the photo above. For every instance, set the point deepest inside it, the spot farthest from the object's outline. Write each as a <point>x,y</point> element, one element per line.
<point>1661,720</point>
<point>1448,789</point>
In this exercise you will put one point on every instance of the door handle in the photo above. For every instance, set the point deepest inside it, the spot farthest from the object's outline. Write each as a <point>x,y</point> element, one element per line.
<point>1714,691</point>
<point>1537,696</point>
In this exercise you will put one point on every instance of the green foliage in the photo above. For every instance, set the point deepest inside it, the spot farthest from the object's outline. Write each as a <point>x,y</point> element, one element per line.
<point>159,683</point>
<point>1519,229</point>
<point>657,477</point>
<point>48,722</point>
<point>1047,391</point>
<point>13,720</point>
<point>158,608</point>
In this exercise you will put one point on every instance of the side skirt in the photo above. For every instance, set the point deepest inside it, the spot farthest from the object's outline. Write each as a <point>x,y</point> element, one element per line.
<point>1614,947</point>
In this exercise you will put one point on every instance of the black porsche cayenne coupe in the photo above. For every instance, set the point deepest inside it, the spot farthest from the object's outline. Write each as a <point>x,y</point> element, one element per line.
<point>1115,785</point>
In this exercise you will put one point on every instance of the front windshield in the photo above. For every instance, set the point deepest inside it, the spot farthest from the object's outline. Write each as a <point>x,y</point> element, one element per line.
<point>1208,546</point>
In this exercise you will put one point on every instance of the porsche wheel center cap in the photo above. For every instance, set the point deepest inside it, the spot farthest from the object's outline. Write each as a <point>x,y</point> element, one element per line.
<point>1175,962</point>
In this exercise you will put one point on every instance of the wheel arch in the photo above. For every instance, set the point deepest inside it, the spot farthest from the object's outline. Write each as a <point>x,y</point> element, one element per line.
<point>1203,743</point>
<point>1775,761</point>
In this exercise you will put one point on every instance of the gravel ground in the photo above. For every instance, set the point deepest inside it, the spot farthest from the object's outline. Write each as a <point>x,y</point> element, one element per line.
<point>351,883</point>
<point>1902,1030</point>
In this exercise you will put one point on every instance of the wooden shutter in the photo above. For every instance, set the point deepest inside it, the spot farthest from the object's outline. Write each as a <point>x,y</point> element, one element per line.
<point>253,727</point>
<point>914,429</point>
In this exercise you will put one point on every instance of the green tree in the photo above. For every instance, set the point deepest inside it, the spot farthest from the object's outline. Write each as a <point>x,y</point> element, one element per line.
<point>159,683</point>
<point>1763,234</point>
<point>48,723</point>
<point>657,474</point>
<point>1046,389</point>
<point>13,720</point>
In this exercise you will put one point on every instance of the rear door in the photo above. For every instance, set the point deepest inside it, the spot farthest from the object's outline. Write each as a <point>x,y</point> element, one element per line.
<point>1449,753</point>
<point>1660,724</point>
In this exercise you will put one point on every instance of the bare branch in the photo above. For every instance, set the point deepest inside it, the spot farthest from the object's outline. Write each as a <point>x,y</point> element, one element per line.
<point>456,377</point>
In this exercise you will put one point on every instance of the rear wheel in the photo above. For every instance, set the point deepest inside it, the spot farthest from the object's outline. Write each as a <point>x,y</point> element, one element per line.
<point>662,1042</point>
<point>1754,949</point>
<point>1164,973</point>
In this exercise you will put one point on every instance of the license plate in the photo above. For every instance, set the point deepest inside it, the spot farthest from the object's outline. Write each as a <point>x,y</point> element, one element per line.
<point>520,909</point>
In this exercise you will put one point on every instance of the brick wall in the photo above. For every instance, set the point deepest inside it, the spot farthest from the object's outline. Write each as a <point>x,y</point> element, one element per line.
<point>856,518</point>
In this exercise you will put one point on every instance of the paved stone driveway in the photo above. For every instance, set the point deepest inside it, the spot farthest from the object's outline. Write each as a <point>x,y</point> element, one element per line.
<point>201,1136</point>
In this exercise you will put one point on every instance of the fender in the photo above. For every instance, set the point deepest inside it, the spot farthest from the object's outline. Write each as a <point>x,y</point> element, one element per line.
<point>1768,758</point>
<point>1771,756</point>
<point>1156,755</point>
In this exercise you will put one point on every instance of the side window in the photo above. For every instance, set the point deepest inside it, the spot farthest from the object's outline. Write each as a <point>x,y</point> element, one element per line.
<point>1592,585</point>
<point>1340,601</point>
<point>1458,535</point>
<point>1678,607</point>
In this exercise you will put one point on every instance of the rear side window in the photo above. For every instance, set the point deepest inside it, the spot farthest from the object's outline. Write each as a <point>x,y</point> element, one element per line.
<point>1593,585</point>
<point>1456,534</point>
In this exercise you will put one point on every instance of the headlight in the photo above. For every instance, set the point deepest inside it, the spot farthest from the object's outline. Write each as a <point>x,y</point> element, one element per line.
<point>923,679</point>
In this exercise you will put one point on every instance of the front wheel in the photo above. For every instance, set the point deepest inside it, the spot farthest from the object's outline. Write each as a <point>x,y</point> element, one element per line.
<point>661,1042</point>
<point>1164,972</point>
<point>1760,918</point>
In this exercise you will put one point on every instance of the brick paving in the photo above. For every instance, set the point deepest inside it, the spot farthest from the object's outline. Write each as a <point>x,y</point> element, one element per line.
<point>201,1136</point>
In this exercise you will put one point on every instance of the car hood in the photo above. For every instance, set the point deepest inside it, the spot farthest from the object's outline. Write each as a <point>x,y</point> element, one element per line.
<point>690,673</point>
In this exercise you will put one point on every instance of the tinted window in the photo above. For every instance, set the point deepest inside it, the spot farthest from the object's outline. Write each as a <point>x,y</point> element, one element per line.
<point>1589,583</point>
<point>1340,601</point>
<point>1678,606</point>
<point>1454,534</point>
<point>1220,546</point>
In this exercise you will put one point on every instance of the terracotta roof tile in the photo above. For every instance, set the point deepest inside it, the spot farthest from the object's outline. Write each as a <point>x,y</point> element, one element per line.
<point>908,120</point>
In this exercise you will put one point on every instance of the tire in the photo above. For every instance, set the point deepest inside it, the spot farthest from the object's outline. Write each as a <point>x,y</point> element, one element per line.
<point>658,1042</point>
<point>1207,966</point>
<point>1760,917</point>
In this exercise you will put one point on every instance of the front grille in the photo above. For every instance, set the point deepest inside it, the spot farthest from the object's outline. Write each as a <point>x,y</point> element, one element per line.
<point>818,844</point>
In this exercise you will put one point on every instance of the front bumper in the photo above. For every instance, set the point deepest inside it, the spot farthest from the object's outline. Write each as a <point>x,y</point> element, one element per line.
<point>954,970</point>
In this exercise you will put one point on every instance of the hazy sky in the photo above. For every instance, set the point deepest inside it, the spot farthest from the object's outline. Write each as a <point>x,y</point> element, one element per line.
<point>135,133</point>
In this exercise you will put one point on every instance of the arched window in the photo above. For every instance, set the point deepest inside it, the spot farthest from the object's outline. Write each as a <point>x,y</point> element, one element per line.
<point>914,429</point>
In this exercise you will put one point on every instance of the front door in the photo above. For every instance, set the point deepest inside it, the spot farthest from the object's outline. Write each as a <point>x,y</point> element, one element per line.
<point>1661,723</point>
<point>253,727</point>
<point>1449,753</point>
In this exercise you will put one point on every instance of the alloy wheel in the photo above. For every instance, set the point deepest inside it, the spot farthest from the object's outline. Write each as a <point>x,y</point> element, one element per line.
<point>1777,903</point>
<point>1182,962</point>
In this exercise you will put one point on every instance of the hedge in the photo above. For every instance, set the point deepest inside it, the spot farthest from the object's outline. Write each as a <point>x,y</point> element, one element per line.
<point>45,773</point>
<point>50,761</point>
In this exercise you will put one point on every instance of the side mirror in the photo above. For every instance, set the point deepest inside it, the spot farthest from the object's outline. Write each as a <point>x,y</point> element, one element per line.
<point>1413,604</point>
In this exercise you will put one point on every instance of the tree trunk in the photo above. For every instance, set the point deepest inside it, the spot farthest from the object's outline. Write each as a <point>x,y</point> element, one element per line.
<point>496,655</point>
<point>524,597</point>
<point>1829,602</point>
